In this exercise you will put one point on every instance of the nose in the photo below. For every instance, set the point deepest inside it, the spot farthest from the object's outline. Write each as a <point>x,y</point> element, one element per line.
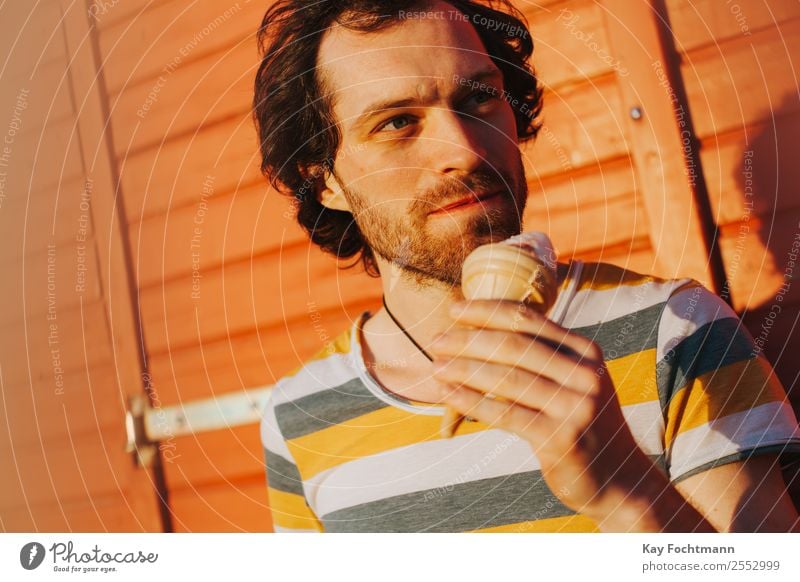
<point>457,144</point>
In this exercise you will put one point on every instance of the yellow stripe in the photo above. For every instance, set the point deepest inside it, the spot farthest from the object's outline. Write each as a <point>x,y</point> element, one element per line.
<point>290,510</point>
<point>369,434</point>
<point>339,345</point>
<point>634,377</point>
<point>567,524</point>
<point>600,276</point>
<point>718,393</point>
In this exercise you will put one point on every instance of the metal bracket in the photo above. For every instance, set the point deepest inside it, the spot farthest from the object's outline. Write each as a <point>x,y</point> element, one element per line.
<point>137,441</point>
<point>147,428</point>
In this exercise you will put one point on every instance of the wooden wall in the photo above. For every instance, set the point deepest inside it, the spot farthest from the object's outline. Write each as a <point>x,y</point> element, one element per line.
<point>740,64</point>
<point>231,295</point>
<point>68,357</point>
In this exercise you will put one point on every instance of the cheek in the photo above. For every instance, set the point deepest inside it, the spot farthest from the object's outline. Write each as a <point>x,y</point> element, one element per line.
<point>503,129</point>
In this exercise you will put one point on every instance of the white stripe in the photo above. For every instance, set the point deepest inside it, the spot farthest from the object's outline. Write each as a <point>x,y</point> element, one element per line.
<point>593,306</point>
<point>419,467</point>
<point>686,312</point>
<point>316,376</point>
<point>647,425</point>
<point>769,424</point>
<point>357,362</point>
<point>271,437</point>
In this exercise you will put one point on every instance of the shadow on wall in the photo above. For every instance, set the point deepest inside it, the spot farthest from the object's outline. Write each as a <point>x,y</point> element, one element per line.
<point>774,318</point>
<point>772,185</point>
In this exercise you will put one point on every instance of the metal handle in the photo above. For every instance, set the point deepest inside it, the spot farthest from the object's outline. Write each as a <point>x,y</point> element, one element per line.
<point>146,426</point>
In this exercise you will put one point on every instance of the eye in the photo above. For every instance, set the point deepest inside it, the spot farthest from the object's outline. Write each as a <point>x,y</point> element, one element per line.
<point>484,96</point>
<point>399,122</point>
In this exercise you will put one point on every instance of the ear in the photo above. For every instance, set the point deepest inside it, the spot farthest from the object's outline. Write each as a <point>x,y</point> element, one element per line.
<point>331,194</point>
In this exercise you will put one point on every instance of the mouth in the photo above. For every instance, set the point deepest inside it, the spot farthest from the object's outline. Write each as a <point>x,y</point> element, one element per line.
<point>469,202</point>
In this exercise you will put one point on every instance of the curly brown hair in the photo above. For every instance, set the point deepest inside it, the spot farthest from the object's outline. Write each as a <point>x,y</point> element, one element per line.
<point>297,132</point>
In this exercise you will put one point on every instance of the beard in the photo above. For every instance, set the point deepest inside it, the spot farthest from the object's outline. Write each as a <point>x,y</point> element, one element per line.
<point>431,251</point>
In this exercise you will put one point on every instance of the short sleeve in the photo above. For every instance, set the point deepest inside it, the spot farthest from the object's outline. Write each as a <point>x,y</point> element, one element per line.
<point>288,505</point>
<point>720,397</point>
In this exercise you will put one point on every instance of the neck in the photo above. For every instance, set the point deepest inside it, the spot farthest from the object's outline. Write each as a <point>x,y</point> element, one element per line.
<point>422,308</point>
<point>392,358</point>
<point>432,301</point>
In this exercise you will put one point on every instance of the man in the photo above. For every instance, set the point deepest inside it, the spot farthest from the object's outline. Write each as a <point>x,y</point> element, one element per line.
<point>636,404</point>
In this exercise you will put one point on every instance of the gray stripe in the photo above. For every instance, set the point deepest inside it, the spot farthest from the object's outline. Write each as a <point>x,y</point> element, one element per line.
<point>659,461</point>
<point>326,408</point>
<point>625,335</point>
<point>454,508</point>
<point>282,474</point>
<point>712,346</point>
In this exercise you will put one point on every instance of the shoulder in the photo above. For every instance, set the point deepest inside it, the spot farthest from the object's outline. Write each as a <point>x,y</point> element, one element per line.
<point>329,368</point>
<point>607,292</point>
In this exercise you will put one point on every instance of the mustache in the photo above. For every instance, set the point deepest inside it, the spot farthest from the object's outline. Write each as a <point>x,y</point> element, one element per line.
<point>479,182</point>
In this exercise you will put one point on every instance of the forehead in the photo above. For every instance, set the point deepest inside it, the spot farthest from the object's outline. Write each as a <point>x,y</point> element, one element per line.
<point>413,54</point>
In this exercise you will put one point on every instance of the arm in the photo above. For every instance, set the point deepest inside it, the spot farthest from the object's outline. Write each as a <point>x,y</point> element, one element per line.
<point>721,405</point>
<point>562,401</point>
<point>287,502</point>
<point>745,496</point>
<point>742,496</point>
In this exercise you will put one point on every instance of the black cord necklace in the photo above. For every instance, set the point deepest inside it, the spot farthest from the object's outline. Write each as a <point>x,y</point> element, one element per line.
<point>408,335</point>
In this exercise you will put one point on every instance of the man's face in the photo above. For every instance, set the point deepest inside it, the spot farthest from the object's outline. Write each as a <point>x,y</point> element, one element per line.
<point>424,124</point>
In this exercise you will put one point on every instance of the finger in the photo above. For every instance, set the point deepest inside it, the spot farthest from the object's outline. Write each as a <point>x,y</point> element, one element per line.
<point>515,384</point>
<point>517,350</point>
<point>522,317</point>
<point>499,413</point>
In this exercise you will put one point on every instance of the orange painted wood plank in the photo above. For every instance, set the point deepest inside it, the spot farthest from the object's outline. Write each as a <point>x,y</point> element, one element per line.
<point>106,13</point>
<point>220,159</point>
<point>70,469</point>
<point>757,256</point>
<point>237,506</point>
<point>99,462</point>
<point>172,34</point>
<point>637,255</point>
<point>252,359</point>
<point>198,95</point>
<point>69,270</point>
<point>214,457</point>
<point>230,227</point>
<point>616,221</point>
<point>42,158</point>
<point>31,35</point>
<point>754,78</point>
<point>697,23</point>
<point>754,170</point>
<point>48,99</point>
<point>586,187</point>
<point>51,214</point>
<point>33,348</point>
<point>110,513</point>
<point>569,41</point>
<point>582,126</point>
<point>656,144</point>
<point>89,402</point>
<point>246,295</point>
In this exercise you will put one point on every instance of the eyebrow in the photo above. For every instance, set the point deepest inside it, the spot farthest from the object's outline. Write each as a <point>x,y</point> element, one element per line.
<point>394,103</point>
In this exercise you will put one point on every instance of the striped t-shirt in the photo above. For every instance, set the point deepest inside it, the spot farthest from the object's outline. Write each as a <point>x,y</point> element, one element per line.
<point>344,454</point>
